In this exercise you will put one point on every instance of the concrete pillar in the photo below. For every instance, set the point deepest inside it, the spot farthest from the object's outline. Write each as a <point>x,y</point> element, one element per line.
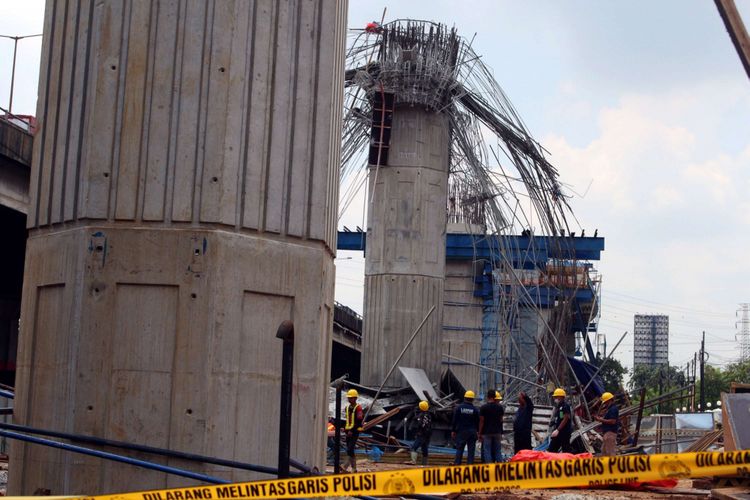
<point>405,255</point>
<point>183,203</point>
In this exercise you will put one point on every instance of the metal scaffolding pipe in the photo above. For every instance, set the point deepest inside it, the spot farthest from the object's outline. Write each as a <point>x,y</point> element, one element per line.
<point>146,449</point>
<point>114,457</point>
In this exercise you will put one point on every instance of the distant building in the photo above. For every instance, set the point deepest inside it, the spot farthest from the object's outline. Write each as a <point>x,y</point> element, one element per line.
<point>651,343</point>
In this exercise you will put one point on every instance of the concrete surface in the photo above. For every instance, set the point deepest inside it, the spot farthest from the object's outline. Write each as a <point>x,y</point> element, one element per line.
<point>183,203</point>
<point>405,258</point>
<point>15,165</point>
<point>462,322</point>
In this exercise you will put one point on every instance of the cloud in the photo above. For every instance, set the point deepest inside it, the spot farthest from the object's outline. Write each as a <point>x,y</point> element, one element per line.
<point>669,193</point>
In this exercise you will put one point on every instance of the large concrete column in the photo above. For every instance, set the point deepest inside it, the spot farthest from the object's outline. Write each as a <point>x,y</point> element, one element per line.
<point>405,261</point>
<point>184,191</point>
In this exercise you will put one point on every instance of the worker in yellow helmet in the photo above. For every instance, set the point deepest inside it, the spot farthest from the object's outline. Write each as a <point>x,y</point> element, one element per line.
<point>423,432</point>
<point>355,416</point>
<point>609,425</point>
<point>464,428</point>
<point>562,423</point>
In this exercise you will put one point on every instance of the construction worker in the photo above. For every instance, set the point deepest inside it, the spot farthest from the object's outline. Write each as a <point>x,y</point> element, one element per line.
<point>423,420</point>
<point>610,422</point>
<point>354,418</point>
<point>331,431</point>
<point>491,427</point>
<point>464,428</point>
<point>522,423</point>
<point>562,424</point>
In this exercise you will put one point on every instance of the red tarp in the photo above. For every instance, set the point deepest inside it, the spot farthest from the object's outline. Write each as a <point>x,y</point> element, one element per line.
<point>531,455</point>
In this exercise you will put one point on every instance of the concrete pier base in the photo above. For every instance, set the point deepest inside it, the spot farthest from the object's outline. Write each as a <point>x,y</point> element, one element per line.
<point>166,337</point>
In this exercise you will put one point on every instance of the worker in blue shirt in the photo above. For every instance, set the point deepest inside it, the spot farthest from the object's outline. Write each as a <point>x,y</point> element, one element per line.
<point>610,422</point>
<point>464,430</point>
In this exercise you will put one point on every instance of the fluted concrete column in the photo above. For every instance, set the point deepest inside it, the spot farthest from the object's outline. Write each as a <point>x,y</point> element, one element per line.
<point>405,255</point>
<point>183,203</point>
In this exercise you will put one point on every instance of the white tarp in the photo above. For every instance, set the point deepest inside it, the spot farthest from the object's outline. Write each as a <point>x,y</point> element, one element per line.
<point>692,427</point>
<point>419,383</point>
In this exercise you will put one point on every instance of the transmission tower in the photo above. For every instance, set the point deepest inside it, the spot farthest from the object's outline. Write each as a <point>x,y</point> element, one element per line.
<point>744,335</point>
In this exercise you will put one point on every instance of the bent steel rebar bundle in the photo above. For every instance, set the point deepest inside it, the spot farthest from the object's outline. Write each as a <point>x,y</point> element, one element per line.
<point>499,178</point>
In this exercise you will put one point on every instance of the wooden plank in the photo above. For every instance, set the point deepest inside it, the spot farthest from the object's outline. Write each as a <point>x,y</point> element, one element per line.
<point>735,493</point>
<point>382,418</point>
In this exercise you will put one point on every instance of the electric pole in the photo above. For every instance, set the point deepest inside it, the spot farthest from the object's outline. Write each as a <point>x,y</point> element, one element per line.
<point>695,363</point>
<point>13,68</point>
<point>703,365</point>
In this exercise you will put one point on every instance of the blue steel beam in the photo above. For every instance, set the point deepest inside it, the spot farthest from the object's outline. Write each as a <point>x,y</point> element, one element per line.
<point>520,249</point>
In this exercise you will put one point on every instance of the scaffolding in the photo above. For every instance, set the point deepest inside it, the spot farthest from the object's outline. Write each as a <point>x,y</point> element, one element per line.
<point>500,180</point>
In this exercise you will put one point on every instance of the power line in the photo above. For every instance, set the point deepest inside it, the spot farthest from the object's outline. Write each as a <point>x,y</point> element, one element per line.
<point>666,305</point>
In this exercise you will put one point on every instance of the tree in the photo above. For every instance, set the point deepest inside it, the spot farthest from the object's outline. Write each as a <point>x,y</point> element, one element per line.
<point>657,380</point>
<point>718,380</point>
<point>738,372</point>
<point>612,375</point>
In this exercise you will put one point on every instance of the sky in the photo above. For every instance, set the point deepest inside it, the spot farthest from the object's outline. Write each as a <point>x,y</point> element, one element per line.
<point>644,108</point>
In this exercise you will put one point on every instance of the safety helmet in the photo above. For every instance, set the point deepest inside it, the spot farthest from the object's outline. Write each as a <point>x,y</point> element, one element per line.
<point>498,396</point>
<point>469,395</point>
<point>607,396</point>
<point>559,393</point>
<point>352,393</point>
<point>424,405</point>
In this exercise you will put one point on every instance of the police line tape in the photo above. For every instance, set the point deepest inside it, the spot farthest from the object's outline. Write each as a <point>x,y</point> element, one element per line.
<point>587,472</point>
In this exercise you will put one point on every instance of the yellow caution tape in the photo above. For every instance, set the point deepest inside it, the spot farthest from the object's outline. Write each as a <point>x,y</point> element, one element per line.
<point>586,472</point>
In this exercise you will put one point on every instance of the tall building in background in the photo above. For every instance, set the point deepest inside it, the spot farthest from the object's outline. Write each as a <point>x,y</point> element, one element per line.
<point>651,344</point>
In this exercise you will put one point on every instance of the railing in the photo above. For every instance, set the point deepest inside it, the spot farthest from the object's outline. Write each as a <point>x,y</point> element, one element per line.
<point>24,122</point>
